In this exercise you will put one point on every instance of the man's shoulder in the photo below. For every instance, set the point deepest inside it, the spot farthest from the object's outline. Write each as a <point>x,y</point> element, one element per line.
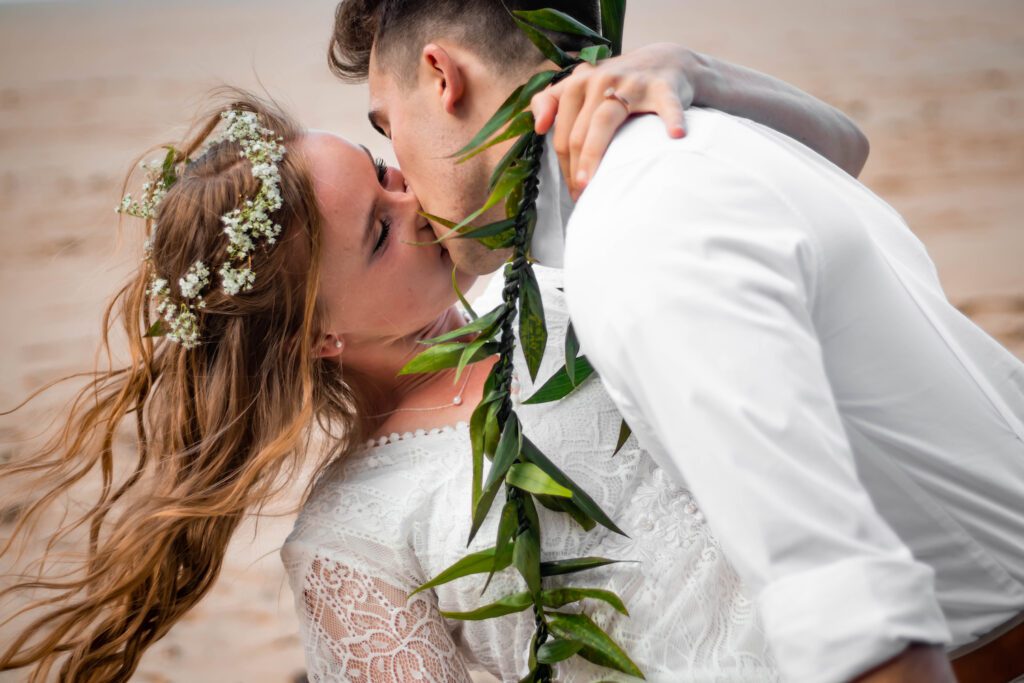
<point>710,134</point>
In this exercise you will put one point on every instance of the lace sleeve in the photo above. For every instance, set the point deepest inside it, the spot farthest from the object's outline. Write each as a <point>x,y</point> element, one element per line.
<point>359,627</point>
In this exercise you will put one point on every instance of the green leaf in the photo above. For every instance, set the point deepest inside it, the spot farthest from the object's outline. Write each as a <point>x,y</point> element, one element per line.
<point>560,386</point>
<point>167,174</point>
<point>572,350</point>
<point>509,604</point>
<point>598,647</point>
<point>502,240</point>
<point>508,450</point>
<point>493,318</point>
<point>470,353</point>
<point>490,230</point>
<point>492,431</point>
<point>512,201</point>
<point>513,178</point>
<point>474,563</point>
<point>503,542</point>
<point>512,105</point>
<point>559,597</point>
<point>533,332</point>
<point>476,438</point>
<point>544,44</point>
<point>529,477</point>
<point>526,558</point>
<point>462,297</point>
<point>445,355</point>
<point>509,108</point>
<point>624,432</point>
<point>477,424</point>
<point>576,564</point>
<point>511,156</point>
<point>566,506</point>
<point>553,20</point>
<point>613,14</point>
<point>518,126</point>
<point>157,329</point>
<point>595,53</point>
<point>555,651</point>
<point>533,454</point>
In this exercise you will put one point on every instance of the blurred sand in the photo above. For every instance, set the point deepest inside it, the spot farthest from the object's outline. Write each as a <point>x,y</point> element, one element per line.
<point>937,85</point>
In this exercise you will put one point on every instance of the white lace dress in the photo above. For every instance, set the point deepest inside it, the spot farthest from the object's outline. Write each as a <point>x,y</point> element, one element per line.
<point>396,514</point>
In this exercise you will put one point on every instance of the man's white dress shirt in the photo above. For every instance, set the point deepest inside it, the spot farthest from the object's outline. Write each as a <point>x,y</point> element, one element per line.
<point>779,341</point>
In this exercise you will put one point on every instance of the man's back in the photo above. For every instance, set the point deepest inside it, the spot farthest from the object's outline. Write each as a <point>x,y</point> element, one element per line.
<point>780,336</point>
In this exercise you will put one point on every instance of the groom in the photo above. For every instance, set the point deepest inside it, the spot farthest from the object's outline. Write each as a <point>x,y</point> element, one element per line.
<point>776,337</point>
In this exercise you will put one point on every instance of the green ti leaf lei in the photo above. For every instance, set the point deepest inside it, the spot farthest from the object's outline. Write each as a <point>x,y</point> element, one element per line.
<point>517,465</point>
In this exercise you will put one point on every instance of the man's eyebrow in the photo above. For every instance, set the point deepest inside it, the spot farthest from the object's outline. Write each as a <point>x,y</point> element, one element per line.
<point>374,117</point>
<point>373,207</point>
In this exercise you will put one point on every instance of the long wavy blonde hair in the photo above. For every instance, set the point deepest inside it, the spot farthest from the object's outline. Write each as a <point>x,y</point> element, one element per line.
<point>219,429</point>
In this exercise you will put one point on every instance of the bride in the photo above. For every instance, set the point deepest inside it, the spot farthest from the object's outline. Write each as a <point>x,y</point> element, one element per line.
<point>279,294</point>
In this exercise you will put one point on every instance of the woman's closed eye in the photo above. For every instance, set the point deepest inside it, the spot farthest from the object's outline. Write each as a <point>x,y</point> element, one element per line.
<point>385,230</point>
<point>385,225</point>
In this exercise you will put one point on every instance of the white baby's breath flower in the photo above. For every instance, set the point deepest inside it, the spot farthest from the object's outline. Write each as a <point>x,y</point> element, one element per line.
<point>196,279</point>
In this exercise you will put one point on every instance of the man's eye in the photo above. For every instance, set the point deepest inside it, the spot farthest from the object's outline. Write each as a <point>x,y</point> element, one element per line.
<point>385,229</point>
<point>382,169</point>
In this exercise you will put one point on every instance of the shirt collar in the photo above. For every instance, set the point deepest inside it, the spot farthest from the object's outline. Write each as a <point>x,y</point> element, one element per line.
<point>554,207</point>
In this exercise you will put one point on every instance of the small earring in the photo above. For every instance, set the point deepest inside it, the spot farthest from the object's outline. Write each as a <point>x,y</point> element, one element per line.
<point>337,343</point>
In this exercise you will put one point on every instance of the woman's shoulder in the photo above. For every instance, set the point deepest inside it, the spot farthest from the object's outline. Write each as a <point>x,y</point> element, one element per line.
<point>373,492</point>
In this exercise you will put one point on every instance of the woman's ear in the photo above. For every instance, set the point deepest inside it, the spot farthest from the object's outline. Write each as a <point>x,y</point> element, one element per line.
<point>448,77</point>
<point>330,346</point>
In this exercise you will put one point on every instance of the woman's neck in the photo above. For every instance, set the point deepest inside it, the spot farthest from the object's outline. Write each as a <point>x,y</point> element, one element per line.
<point>423,400</point>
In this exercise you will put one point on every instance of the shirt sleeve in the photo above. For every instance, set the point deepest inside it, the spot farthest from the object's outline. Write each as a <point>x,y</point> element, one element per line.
<point>359,624</point>
<point>691,285</point>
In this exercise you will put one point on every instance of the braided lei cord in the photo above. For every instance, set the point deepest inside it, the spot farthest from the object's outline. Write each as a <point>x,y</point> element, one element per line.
<point>527,475</point>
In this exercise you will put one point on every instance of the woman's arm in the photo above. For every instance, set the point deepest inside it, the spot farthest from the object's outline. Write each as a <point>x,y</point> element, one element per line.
<point>359,626</point>
<point>753,95</point>
<point>665,79</point>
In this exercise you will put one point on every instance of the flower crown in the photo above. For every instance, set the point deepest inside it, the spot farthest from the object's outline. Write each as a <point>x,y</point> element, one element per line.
<point>245,227</point>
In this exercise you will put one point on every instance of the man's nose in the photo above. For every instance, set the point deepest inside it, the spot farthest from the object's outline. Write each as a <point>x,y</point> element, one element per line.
<point>396,180</point>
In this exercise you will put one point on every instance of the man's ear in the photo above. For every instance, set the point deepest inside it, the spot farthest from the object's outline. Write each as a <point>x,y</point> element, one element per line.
<point>447,75</point>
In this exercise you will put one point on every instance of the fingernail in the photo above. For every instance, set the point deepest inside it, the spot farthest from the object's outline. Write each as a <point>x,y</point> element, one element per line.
<point>581,179</point>
<point>679,131</point>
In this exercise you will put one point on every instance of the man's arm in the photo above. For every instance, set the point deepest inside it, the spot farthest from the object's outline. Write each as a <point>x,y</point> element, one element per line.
<point>691,287</point>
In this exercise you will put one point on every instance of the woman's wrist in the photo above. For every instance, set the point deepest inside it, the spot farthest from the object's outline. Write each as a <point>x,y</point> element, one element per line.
<point>706,78</point>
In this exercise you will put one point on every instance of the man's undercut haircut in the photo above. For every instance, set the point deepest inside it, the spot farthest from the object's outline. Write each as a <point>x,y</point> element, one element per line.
<point>400,29</point>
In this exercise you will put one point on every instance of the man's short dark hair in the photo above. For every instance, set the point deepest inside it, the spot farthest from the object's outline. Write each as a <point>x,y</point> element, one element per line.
<point>400,29</point>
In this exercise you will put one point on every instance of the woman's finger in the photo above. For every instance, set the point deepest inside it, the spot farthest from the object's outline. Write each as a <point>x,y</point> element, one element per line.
<point>569,105</point>
<point>544,106</point>
<point>604,123</point>
<point>578,135</point>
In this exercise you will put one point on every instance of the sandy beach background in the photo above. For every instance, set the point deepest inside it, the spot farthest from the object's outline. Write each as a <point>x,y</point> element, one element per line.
<point>937,85</point>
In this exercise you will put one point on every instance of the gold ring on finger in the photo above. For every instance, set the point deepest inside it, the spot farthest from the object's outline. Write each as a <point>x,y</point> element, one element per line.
<point>612,95</point>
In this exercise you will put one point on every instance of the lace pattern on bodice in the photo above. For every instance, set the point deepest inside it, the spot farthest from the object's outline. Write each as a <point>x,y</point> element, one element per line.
<point>398,513</point>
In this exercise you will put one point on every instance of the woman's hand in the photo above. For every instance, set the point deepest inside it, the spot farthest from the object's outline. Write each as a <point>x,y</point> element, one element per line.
<point>658,79</point>
<point>665,79</point>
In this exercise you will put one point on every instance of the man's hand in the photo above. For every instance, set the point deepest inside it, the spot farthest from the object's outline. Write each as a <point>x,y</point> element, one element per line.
<point>917,664</point>
<point>659,79</point>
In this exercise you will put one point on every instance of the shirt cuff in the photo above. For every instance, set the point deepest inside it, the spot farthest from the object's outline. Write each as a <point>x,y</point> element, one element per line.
<point>833,623</point>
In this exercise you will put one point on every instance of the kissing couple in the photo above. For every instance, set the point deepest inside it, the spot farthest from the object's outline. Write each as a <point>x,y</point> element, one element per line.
<point>824,476</point>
